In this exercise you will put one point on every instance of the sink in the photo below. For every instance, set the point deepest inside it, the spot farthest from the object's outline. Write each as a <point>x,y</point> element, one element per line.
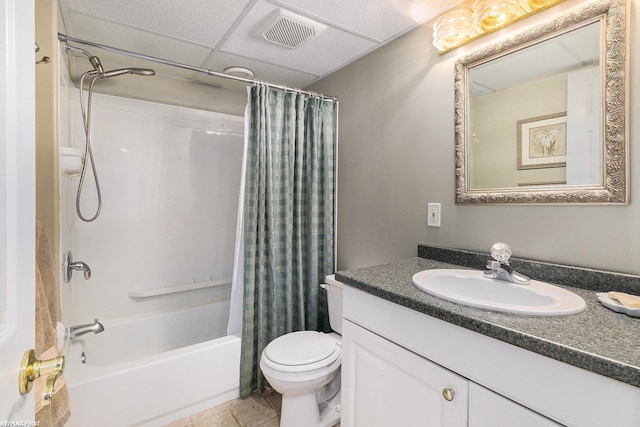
<point>471,288</point>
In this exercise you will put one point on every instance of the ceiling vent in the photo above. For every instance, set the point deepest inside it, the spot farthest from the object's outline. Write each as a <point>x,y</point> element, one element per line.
<point>291,30</point>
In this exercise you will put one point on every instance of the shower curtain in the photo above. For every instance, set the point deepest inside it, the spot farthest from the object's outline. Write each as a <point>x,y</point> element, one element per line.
<point>288,220</point>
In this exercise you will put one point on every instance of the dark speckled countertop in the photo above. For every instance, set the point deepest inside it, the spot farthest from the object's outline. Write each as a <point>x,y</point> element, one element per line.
<point>598,339</point>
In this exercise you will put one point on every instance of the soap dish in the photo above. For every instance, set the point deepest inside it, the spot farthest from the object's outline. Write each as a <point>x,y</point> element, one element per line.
<point>616,306</point>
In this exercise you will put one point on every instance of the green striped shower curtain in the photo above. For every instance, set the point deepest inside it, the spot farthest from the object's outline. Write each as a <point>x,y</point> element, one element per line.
<point>288,220</point>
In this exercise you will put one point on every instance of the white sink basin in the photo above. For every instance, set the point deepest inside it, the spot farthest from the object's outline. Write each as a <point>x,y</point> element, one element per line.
<point>471,288</point>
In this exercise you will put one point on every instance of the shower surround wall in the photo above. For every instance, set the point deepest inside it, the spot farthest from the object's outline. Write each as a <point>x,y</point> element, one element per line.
<point>170,181</point>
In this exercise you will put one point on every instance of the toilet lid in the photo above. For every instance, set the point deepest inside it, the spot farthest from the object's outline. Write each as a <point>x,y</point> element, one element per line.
<point>300,348</point>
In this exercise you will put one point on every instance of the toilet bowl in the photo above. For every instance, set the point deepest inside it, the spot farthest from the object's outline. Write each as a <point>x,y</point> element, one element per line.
<point>304,367</point>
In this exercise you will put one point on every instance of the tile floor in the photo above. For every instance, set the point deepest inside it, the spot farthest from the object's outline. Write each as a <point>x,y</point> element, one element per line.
<point>253,411</point>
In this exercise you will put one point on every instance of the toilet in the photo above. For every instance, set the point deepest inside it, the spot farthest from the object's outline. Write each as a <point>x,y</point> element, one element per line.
<point>304,367</point>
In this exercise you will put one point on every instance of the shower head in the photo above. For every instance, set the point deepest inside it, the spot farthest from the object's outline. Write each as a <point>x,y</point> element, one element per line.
<point>120,71</point>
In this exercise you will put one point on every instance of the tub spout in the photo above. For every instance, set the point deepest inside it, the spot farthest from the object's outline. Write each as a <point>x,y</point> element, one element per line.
<point>76,331</point>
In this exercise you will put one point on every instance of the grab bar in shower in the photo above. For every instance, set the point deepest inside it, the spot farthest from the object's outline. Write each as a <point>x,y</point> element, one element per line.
<point>194,285</point>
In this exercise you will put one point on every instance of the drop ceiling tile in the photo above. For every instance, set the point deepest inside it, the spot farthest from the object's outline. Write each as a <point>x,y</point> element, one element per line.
<point>198,21</point>
<point>561,54</point>
<point>123,37</point>
<point>584,43</point>
<point>378,19</point>
<point>328,51</point>
<point>262,71</point>
<point>190,31</point>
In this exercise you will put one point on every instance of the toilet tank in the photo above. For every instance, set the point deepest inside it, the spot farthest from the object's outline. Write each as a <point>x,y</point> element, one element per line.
<point>334,300</point>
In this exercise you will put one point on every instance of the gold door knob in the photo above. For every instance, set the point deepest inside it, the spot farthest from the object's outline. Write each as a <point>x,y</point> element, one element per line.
<point>448,394</point>
<point>32,368</point>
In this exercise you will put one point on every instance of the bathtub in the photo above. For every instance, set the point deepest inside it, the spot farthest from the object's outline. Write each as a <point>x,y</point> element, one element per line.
<point>152,370</point>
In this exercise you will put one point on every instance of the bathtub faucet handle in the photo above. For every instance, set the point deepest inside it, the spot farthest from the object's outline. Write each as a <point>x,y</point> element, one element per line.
<point>70,266</point>
<point>81,266</point>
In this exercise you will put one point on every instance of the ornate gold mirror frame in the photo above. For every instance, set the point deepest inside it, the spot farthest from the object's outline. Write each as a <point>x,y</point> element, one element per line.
<point>614,188</point>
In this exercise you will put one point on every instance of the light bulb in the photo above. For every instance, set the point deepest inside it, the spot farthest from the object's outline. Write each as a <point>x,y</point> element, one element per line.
<point>537,4</point>
<point>452,28</point>
<point>491,14</point>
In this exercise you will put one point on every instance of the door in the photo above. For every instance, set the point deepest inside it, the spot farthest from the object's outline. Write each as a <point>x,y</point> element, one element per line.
<point>387,385</point>
<point>17,202</point>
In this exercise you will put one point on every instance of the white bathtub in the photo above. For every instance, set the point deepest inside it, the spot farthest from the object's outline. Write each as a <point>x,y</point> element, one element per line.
<point>152,370</point>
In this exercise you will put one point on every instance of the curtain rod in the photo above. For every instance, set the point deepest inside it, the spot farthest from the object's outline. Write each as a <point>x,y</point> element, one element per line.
<point>67,39</point>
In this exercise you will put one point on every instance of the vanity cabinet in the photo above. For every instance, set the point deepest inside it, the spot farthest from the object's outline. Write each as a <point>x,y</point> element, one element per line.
<point>388,385</point>
<point>489,409</point>
<point>405,368</point>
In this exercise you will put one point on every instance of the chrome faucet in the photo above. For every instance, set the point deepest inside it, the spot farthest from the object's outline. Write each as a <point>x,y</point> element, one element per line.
<point>76,331</point>
<point>70,267</point>
<point>499,268</point>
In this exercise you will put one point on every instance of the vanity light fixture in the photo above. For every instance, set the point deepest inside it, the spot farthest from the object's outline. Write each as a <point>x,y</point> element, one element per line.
<point>474,19</point>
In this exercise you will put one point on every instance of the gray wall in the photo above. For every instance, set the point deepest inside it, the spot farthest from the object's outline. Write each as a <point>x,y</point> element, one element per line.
<point>396,154</point>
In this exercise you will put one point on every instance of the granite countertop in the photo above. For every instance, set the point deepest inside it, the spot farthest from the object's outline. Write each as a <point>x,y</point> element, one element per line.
<point>598,339</point>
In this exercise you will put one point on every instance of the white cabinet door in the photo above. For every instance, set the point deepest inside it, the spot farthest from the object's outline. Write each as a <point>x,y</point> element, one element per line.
<point>386,385</point>
<point>489,409</point>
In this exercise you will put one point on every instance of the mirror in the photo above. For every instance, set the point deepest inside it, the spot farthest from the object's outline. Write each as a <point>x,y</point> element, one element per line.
<point>541,117</point>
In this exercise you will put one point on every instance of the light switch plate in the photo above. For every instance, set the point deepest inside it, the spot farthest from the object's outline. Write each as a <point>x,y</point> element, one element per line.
<point>433,214</point>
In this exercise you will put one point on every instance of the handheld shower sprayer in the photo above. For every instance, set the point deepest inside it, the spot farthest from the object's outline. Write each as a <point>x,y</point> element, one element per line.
<point>98,72</point>
<point>120,71</point>
<point>97,66</point>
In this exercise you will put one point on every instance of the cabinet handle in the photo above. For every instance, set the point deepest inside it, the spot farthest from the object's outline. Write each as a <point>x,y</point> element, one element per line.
<point>448,394</point>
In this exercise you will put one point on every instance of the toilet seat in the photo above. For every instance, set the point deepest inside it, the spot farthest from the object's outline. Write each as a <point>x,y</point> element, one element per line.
<point>301,351</point>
